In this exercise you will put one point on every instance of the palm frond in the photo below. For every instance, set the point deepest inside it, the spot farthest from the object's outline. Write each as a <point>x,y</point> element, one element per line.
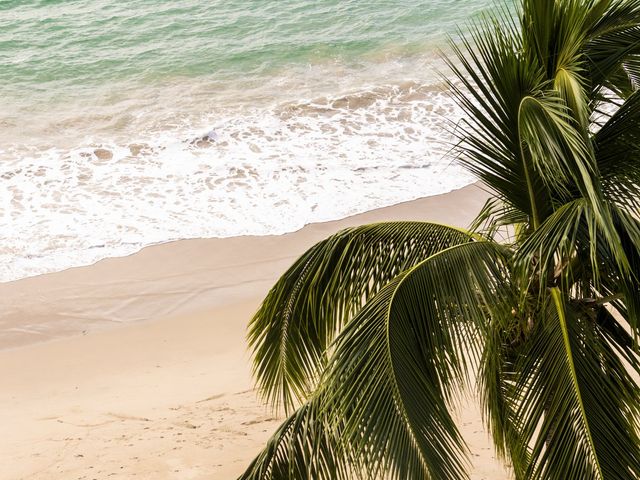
<point>490,82</point>
<point>557,149</point>
<point>504,340</point>
<point>615,333</point>
<point>305,447</point>
<point>574,400</point>
<point>548,254</point>
<point>382,407</point>
<point>625,285</point>
<point>499,218</point>
<point>398,364</point>
<point>613,47</point>
<point>553,34</point>
<point>617,146</point>
<point>571,86</point>
<point>322,291</point>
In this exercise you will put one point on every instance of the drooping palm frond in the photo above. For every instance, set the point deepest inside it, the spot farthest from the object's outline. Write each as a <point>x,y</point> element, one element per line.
<point>397,366</point>
<point>612,49</point>
<point>574,400</point>
<point>570,231</point>
<point>306,447</point>
<point>617,147</point>
<point>625,287</point>
<point>554,147</point>
<point>322,290</point>
<point>392,378</point>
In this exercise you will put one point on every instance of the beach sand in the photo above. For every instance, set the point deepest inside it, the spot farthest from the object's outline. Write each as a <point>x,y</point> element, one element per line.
<point>137,367</point>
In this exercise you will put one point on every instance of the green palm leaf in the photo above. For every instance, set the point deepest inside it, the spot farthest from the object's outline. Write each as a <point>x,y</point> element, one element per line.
<point>306,446</point>
<point>554,147</point>
<point>613,47</point>
<point>574,400</point>
<point>490,84</point>
<point>504,341</point>
<point>397,365</point>
<point>325,288</point>
<point>617,146</point>
<point>624,286</point>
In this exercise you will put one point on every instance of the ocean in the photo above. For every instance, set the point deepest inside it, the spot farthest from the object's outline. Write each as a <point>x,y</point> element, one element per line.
<point>126,124</point>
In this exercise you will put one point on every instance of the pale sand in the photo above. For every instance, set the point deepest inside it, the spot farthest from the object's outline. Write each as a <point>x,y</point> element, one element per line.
<point>169,396</point>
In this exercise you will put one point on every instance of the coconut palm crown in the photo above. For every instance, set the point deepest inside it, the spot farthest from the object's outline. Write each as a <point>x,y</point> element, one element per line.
<point>368,340</point>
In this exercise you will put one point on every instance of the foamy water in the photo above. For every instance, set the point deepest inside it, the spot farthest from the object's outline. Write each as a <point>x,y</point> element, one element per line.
<point>94,171</point>
<point>265,171</point>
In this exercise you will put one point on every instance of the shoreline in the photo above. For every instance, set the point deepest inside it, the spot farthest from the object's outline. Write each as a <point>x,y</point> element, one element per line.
<point>237,171</point>
<point>139,286</point>
<point>172,240</point>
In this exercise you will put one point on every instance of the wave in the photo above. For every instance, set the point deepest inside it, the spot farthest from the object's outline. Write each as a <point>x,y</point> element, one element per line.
<point>244,171</point>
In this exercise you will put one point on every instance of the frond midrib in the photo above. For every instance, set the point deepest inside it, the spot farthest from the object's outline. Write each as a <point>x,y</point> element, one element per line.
<point>555,292</point>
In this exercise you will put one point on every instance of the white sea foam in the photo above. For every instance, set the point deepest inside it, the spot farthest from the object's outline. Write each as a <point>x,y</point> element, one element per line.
<point>269,170</point>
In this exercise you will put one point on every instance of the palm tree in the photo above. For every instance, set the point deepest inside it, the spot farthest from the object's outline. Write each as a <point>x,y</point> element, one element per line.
<point>367,340</point>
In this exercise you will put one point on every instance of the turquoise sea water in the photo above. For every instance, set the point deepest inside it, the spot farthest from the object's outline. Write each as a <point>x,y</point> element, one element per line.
<point>62,46</point>
<point>313,110</point>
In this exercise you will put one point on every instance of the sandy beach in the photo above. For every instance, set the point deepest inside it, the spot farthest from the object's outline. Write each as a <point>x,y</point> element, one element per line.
<point>137,367</point>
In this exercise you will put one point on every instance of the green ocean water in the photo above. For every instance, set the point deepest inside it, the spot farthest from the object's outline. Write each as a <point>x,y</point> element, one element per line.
<point>58,46</point>
<point>129,123</point>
